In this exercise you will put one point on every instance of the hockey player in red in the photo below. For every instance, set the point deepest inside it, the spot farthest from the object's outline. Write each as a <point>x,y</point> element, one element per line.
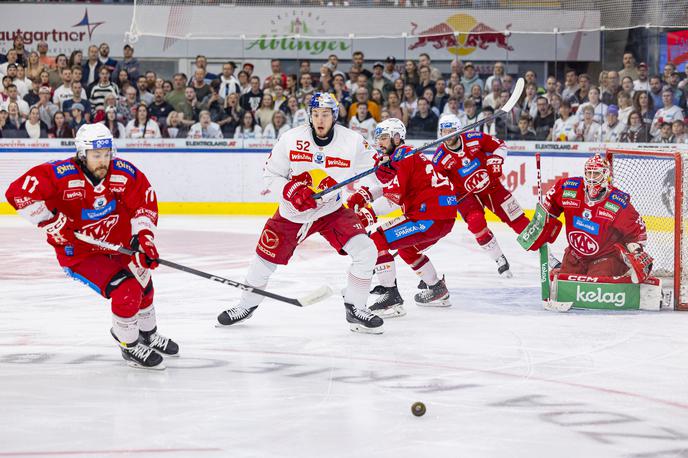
<point>473,161</point>
<point>604,231</point>
<point>428,202</point>
<point>111,200</point>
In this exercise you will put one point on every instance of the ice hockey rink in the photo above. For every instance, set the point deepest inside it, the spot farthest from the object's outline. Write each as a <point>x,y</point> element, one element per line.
<point>500,376</point>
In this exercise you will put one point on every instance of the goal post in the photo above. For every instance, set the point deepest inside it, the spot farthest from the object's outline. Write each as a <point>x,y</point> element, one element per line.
<point>655,180</point>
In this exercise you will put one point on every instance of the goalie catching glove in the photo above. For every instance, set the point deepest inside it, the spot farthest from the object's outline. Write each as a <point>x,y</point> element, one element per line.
<point>637,260</point>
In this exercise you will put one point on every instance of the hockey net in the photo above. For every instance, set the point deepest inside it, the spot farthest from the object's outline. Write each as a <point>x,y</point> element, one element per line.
<point>656,182</point>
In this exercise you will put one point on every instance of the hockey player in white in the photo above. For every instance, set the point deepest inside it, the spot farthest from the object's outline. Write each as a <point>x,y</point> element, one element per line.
<point>307,158</point>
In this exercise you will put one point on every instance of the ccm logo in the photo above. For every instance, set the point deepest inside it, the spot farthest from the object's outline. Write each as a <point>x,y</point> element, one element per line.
<point>73,195</point>
<point>584,278</point>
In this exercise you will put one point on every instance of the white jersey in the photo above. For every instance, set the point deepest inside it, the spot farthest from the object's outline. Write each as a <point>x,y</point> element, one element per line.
<point>565,131</point>
<point>295,152</point>
<point>612,134</point>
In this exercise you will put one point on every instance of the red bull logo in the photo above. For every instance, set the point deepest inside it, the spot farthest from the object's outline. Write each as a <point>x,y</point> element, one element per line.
<point>461,35</point>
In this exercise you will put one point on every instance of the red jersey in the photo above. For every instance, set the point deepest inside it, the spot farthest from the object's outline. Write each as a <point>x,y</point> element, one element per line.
<point>476,148</point>
<point>120,206</point>
<point>593,229</point>
<point>421,192</point>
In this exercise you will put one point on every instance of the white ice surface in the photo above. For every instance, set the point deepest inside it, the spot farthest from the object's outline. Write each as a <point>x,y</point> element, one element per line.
<point>500,377</point>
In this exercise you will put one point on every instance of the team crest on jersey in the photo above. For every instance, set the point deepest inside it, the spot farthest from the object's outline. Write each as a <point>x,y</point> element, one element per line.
<point>64,169</point>
<point>319,157</point>
<point>100,202</point>
<point>587,214</point>
<point>583,243</point>
<point>571,184</point>
<point>588,226</point>
<point>124,166</point>
<point>100,230</point>
<point>470,135</point>
<point>478,181</point>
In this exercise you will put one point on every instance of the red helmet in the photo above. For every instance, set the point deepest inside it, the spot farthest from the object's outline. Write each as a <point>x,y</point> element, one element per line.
<point>598,175</point>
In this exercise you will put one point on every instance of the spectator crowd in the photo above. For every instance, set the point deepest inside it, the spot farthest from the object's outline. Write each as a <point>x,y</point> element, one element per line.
<point>44,96</point>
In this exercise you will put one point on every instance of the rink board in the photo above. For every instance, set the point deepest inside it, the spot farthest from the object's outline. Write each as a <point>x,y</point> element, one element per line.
<point>224,177</point>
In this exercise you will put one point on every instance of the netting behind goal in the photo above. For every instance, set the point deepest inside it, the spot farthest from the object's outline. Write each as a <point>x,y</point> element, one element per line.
<point>656,181</point>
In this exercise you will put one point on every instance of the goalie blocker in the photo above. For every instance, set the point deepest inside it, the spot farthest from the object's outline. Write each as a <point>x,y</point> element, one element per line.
<point>610,293</point>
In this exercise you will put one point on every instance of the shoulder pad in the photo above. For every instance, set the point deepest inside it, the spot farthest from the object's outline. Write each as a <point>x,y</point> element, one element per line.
<point>64,168</point>
<point>619,197</point>
<point>572,183</point>
<point>124,166</point>
<point>471,135</point>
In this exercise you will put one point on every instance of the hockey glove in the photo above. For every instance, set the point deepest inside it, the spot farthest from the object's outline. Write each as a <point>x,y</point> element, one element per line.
<point>494,166</point>
<point>297,191</point>
<point>146,256</point>
<point>359,199</point>
<point>59,229</point>
<point>384,172</point>
<point>367,216</point>
<point>543,228</point>
<point>638,261</point>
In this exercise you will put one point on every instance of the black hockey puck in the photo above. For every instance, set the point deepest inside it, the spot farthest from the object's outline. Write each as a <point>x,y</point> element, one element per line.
<point>418,409</point>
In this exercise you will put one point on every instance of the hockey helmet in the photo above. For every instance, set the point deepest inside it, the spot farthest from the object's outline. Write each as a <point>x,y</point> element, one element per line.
<point>323,100</point>
<point>448,121</point>
<point>93,136</point>
<point>597,175</point>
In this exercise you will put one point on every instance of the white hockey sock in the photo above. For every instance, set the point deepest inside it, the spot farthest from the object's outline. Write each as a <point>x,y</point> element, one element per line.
<point>146,318</point>
<point>428,273</point>
<point>357,290</point>
<point>125,329</point>
<point>492,249</point>
<point>363,257</point>
<point>259,272</point>
<point>386,273</point>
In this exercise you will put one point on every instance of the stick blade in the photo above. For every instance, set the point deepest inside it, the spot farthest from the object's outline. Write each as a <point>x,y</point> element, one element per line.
<point>313,297</point>
<point>515,96</point>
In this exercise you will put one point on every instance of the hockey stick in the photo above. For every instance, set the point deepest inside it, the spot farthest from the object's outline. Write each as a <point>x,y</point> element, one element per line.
<point>547,302</point>
<point>508,106</point>
<point>316,296</point>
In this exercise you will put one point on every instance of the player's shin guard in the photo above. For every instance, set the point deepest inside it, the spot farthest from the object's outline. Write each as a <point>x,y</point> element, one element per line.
<point>259,272</point>
<point>363,256</point>
<point>386,269</point>
<point>388,303</point>
<point>488,242</point>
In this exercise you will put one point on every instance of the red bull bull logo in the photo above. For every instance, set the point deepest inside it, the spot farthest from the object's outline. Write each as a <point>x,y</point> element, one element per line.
<point>461,35</point>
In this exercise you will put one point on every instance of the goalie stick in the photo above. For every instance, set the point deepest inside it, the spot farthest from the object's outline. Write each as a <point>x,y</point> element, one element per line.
<point>547,302</point>
<point>316,296</point>
<point>508,106</point>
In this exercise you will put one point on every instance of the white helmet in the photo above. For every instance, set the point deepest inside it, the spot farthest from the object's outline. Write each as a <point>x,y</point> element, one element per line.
<point>92,136</point>
<point>448,121</point>
<point>392,127</point>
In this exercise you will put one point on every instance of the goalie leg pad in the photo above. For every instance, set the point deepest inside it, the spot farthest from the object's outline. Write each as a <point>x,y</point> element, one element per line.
<point>609,293</point>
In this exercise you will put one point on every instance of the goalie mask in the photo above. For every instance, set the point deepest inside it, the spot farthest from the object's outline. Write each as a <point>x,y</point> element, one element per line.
<point>597,177</point>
